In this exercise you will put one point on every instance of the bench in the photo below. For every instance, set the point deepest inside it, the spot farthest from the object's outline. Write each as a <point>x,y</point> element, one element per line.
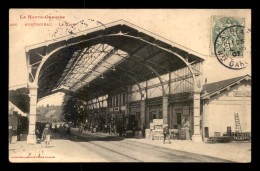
<point>222,139</point>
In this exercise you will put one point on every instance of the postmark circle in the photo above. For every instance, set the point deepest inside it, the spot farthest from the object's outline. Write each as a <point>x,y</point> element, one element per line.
<point>229,47</point>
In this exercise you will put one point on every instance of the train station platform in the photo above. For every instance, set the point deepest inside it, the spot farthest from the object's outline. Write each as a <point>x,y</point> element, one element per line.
<point>233,151</point>
<point>21,152</point>
<point>58,150</point>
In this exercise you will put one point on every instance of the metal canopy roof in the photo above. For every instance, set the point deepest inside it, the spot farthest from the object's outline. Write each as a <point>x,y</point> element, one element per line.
<point>98,60</point>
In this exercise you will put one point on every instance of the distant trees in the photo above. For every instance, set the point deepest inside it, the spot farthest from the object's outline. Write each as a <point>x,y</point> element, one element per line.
<point>73,110</point>
<point>44,115</point>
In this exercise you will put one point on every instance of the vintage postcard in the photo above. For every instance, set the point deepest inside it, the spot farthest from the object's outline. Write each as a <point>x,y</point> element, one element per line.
<point>129,85</point>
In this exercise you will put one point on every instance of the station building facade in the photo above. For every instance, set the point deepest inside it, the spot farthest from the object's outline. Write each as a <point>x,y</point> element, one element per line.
<point>219,102</point>
<point>126,103</point>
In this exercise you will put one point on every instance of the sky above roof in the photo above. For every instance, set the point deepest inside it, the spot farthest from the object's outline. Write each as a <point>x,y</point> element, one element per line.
<point>189,28</point>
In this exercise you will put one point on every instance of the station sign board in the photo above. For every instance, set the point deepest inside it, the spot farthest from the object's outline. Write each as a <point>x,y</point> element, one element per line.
<point>148,134</point>
<point>158,134</point>
<point>186,110</point>
<point>158,121</point>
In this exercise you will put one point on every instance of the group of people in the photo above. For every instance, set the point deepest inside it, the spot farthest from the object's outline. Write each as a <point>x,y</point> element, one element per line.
<point>62,129</point>
<point>109,128</point>
<point>44,130</point>
<point>91,127</point>
<point>95,127</point>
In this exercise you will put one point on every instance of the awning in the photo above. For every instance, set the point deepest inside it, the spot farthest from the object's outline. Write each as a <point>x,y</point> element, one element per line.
<point>94,62</point>
<point>14,108</point>
<point>216,88</point>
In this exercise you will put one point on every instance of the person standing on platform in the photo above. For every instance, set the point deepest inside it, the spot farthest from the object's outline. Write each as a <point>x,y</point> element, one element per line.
<point>64,131</point>
<point>10,133</point>
<point>60,130</point>
<point>105,129</point>
<point>68,130</point>
<point>51,127</point>
<point>38,135</point>
<point>46,135</point>
<point>187,127</point>
<point>166,134</point>
<point>56,128</point>
<point>109,128</point>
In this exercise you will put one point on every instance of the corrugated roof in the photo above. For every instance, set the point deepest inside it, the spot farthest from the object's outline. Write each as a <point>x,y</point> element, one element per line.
<point>15,108</point>
<point>213,87</point>
<point>145,56</point>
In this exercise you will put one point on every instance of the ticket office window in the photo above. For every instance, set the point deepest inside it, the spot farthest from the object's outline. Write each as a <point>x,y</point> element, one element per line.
<point>113,101</point>
<point>160,115</point>
<point>116,102</point>
<point>152,115</point>
<point>206,132</point>
<point>123,99</point>
<point>178,118</point>
<point>138,115</point>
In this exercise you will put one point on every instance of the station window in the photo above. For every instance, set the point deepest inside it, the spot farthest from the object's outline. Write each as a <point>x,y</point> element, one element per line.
<point>138,115</point>
<point>119,99</point>
<point>229,130</point>
<point>152,115</point>
<point>179,118</point>
<point>123,99</point>
<point>160,115</point>
<point>110,102</point>
<point>116,100</point>
<point>206,132</point>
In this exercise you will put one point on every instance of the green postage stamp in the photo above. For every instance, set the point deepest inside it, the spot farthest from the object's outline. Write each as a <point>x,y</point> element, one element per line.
<point>227,41</point>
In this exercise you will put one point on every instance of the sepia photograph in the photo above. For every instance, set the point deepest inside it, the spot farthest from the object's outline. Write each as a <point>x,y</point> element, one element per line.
<point>129,85</point>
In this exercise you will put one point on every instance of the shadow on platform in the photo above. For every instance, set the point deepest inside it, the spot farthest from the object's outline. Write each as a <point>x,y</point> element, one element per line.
<point>89,137</point>
<point>76,137</point>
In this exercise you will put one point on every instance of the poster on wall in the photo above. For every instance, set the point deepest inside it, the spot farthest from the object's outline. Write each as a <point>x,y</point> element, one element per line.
<point>151,125</point>
<point>13,120</point>
<point>158,127</point>
<point>148,134</point>
<point>186,110</point>
<point>158,134</point>
<point>158,121</point>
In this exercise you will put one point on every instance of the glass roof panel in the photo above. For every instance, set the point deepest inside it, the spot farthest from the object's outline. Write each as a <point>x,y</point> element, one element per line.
<point>87,66</point>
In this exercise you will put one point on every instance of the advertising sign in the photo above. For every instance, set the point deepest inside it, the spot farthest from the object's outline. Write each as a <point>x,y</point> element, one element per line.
<point>148,134</point>
<point>158,134</point>
<point>158,121</point>
<point>158,127</point>
<point>151,125</point>
<point>186,110</point>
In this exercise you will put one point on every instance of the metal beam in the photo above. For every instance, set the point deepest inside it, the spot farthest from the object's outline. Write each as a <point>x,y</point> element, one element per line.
<point>98,64</point>
<point>111,35</point>
<point>78,58</point>
<point>153,70</point>
<point>73,65</point>
<point>146,60</point>
<point>140,89</point>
